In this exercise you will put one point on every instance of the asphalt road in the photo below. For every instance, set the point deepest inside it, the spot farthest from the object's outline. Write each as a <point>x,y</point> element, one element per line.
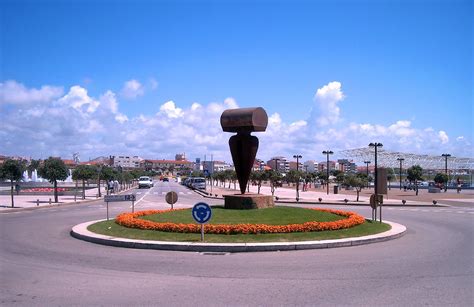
<point>41,264</point>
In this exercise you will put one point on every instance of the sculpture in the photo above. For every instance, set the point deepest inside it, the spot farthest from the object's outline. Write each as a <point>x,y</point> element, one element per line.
<point>244,146</point>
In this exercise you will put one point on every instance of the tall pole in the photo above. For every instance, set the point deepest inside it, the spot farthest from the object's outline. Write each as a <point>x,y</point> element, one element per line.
<point>327,153</point>
<point>367,168</point>
<point>212,165</point>
<point>297,172</point>
<point>376,173</point>
<point>446,169</point>
<point>401,160</point>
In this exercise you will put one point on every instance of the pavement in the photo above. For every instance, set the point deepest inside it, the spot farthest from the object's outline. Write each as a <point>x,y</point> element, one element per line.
<point>31,201</point>
<point>393,198</point>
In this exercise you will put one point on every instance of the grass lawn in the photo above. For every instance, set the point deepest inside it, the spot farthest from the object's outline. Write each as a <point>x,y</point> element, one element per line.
<point>271,216</point>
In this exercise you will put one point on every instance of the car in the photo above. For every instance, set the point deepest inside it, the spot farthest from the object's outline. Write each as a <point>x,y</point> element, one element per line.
<point>166,179</point>
<point>145,182</point>
<point>199,183</point>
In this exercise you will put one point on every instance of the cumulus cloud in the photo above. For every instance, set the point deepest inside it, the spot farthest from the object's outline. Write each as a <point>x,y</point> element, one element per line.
<point>132,89</point>
<point>12,92</point>
<point>78,122</point>
<point>443,136</point>
<point>327,98</point>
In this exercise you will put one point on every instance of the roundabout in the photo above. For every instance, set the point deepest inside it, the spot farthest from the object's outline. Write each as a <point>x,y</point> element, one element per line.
<point>272,229</point>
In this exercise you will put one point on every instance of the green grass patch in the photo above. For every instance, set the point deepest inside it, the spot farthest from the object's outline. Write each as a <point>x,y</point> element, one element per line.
<point>271,216</point>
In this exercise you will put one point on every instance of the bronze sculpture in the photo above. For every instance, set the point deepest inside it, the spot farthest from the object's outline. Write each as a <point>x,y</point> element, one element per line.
<point>244,146</point>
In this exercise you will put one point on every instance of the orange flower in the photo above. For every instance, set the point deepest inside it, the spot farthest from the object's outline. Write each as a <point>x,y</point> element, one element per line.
<point>132,220</point>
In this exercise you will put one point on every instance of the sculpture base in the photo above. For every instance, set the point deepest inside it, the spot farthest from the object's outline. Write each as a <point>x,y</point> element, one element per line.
<point>248,201</point>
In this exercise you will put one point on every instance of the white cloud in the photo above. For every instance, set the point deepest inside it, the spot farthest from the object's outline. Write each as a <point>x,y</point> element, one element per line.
<point>12,92</point>
<point>78,98</point>
<point>443,136</point>
<point>94,126</point>
<point>170,109</point>
<point>132,89</point>
<point>327,98</point>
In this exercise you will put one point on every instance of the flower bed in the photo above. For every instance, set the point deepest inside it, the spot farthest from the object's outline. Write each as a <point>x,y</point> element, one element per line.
<point>44,190</point>
<point>133,220</point>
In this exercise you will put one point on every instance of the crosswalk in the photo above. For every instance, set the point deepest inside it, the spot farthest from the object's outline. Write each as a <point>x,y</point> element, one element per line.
<point>164,193</point>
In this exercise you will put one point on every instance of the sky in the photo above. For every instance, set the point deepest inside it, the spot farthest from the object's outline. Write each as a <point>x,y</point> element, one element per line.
<point>151,78</point>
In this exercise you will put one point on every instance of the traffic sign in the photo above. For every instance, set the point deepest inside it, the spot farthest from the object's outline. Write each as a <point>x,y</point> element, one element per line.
<point>171,198</point>
<point>202,213</point>
<point>112,198</point>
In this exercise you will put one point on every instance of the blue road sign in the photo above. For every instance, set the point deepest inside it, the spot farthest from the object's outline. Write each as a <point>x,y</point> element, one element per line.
<point>202,213</point>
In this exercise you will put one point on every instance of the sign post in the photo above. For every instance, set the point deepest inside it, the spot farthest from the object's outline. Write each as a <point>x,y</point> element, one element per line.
<point>114,198</point>
<point>202,213</point>
<point>171,198</point>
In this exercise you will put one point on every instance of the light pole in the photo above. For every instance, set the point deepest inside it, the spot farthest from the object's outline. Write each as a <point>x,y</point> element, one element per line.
<point>375,145</point>
<point>367,168</point>
<point>297,172</point>
<point>400,160</point>
<point>327,153</point>
<point>446,156</point>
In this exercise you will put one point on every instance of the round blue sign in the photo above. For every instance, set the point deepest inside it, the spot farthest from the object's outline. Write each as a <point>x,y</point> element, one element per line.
<point>202,213</point>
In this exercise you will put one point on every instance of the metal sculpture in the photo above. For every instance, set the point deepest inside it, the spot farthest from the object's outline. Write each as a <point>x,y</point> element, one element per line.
<point>244,146</point>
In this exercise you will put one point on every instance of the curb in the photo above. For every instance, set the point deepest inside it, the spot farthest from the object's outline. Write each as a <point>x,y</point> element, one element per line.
<point>341,202</point>
<point>81,232</point>
<point>56,205</point>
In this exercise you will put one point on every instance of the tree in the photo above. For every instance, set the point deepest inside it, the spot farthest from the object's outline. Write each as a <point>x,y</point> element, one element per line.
<point>414,174</point>
<point>441,178</point>
<point>357,182</point>
<point>54,169</point>
<point>12,170</point>
<point>34,164</point>
<point>258,177</point>
<point>390,176</point>
<point>127,178</point>
<point>106,173</point>
<point>275,178</point>
<point>84,172</point>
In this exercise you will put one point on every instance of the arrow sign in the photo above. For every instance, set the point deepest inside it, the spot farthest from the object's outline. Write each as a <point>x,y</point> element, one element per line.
<point>202,213</point>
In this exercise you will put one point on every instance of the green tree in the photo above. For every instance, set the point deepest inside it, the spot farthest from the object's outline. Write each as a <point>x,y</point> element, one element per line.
<point>34,164</point>
<point>390,176</point>
<point>258,177</point>
<point>12,170</point>
<point>83,173</point>
<point>53,169</point>
<point>106,173</point>
<point>441,178</point>
<point>275,179</point>
<point>357,182</point>
<point>414,174</point>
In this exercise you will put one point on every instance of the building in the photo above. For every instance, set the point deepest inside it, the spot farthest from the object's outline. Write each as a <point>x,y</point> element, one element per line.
<point>346,166</point>
<point>126,162</point>
<point>216,166</point>
<point>180,157</point>
<point>279,164</point>
<point>295,167</point>
<point>258,165</point>
<point>322,166</point>
<point>310,166</point>
<point>168,166</point>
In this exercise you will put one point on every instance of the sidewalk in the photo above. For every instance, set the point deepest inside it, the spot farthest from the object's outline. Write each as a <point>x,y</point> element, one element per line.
<point>31,201</point>
<point>394,197</point>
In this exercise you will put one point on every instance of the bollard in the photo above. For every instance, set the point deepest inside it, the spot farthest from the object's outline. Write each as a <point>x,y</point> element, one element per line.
<point>50,201</point>
<point>37,202</point>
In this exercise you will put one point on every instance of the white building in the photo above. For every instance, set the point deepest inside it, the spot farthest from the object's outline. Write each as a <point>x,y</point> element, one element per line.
<point>310,166</point>
<point>126,161</point>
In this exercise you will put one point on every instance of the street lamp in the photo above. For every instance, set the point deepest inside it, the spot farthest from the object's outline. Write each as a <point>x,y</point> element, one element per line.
<point>375,145</point>
<point>367,168</point>
<point>297,157</point>
<point>401,160</point>
<point>446,156</point>
<point>327,153</point>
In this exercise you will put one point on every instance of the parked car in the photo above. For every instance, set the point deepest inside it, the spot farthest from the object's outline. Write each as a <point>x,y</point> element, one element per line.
<point>166,179</point>
<point>145,182</point>
<point>199,183</point>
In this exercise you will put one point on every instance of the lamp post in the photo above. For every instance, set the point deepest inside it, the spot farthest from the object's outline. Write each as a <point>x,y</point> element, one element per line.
<point>297,157</point>
<point>375,145</point>
<point>446,156</point>
<point>367,168</point>
<point>400,160</point>
<point>327,153</point>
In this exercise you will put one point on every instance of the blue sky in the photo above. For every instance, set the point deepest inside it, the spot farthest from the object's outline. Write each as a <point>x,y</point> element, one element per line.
<point>403,70</point>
